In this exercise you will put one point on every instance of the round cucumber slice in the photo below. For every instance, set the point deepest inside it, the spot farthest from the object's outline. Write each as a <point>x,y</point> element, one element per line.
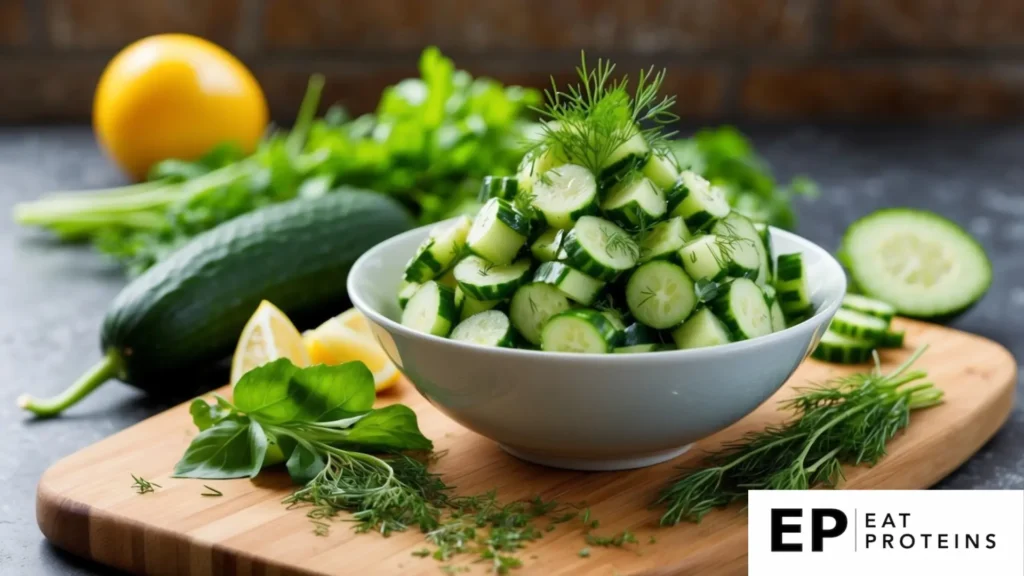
<point>919,262</point>
<point>490,328</point>
<point>660,294</point>
<point>533,305</point>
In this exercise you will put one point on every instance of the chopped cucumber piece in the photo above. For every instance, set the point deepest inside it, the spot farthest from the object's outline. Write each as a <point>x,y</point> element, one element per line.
<point>714,257</point>
<point>778,318</point>
<point>742,307</point>
<point>791,284</point>
<point>869,306</point>
<point>859,325</point>
<point>448,279</point>
<point>580,331</point>
<point>547,246</point>
<point>573,283</point>
<point>637,333</point>
<point>891,339</point>
<point>835,347</point>
<point>919,262</point>
<point>770,295</point>
<point>631,154</point>
<point>662,169</point>
<point>439,251</point>
<point>743,238</point>
<point>535,163</point>
<point>697,201</point>
<point>701,330</point>
<point>766,241</point>
<point>431,309</point>
<point>490,328</point>
<point>600,249</point>
<point>533,305</point>
<point>664,240</point>
<point>405,291</point>
<point>469,306</point>
<point>639,349</point>
<point>634,202</point>
<point>660,294</point>
<point>486,281</point>
<point>498,232</point>
<point>504,187</point>
<point>565,193</point>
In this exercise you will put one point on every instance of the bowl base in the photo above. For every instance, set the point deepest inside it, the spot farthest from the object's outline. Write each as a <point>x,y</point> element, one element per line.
<point>595,465</point>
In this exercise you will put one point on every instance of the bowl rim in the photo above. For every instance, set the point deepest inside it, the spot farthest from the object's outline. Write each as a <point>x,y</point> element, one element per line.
<point>707,352</point>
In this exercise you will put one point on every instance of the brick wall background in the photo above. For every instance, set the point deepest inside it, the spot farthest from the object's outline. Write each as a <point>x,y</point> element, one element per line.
<point>765,59</point>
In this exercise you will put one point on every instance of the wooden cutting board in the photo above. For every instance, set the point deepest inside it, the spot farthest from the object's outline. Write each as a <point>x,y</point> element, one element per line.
<point>86,505</point>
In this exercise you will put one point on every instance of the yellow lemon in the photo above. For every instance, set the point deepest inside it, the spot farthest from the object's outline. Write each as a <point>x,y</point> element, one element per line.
<point>175,96</point>
<point>267,336</point>
<point>347,338</point>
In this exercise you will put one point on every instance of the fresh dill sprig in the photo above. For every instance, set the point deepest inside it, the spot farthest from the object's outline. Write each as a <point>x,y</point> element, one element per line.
<point>211,491</point>
<point>143,486</point>
<point>621,243</point>
<point>586,122</point>
<point>844,421</point>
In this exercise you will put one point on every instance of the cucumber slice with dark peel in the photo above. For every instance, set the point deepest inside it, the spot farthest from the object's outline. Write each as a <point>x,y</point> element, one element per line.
<point>791,284</point>
<point>637,333</point>
<point>742,237</point>
<point>663,240</point>
<point>891,339</point>
<point>600,249</point>
<point>547,246</point>
<point>698,202</point>
<point>701,330</point>
<point>405,291</point>
<point>431,310</point>
<point>573,283</point>
<point>581,331</point>
<point>486,281</point>
<point>563,194</point>
<point>922,264</point>
<point>631,154</point>
<point>662,169</point>
<point>469,306</point>
<point>869,306</point>
<point>766,241</point>
<point>504,187</point>
<point>639,349</point>
<point>634,203</point>
<point>714,257</point>
<point>533,305</point>
<point>439,251</point>
<point>741,306</point>
<point>498,232</point>
<point>490,328</point>
<point>660,294</point>
<point>839,349</point>
<point>859,325</point>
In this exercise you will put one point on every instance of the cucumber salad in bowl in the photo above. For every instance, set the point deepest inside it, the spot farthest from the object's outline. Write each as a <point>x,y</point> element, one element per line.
<point>590,250</point>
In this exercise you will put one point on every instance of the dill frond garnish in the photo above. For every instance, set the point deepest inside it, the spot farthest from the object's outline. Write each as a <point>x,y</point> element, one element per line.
<point>586,122</point>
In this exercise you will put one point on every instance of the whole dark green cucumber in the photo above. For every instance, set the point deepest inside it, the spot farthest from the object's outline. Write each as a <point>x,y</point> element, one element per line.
<point>185,314</point>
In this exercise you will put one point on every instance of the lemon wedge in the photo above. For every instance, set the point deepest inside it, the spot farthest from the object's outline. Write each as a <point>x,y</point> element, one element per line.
<point>267,336</point>
<point>347,338</point>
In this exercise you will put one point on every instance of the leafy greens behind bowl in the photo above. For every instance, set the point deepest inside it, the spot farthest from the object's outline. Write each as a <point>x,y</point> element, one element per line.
<point>429,143</point>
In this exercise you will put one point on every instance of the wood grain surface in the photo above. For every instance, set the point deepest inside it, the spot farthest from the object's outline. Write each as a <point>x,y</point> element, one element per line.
<point>86,505</point>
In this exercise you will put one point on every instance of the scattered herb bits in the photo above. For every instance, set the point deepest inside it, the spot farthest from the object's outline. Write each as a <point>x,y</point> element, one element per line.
<point>601,244</point>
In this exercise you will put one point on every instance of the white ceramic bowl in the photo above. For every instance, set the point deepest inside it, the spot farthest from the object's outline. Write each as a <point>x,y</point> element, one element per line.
<point>591,412</point>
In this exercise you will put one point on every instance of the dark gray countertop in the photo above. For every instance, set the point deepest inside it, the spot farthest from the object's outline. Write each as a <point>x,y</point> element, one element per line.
<point>52,298</point>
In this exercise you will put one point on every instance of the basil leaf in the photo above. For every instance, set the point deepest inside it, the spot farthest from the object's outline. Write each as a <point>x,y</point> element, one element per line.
<point>205,415</point>
<point>392,427</point>
<point>279,392</point>
<point>233,448</point>
<point>264,389</point>
<point>304,464</point>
